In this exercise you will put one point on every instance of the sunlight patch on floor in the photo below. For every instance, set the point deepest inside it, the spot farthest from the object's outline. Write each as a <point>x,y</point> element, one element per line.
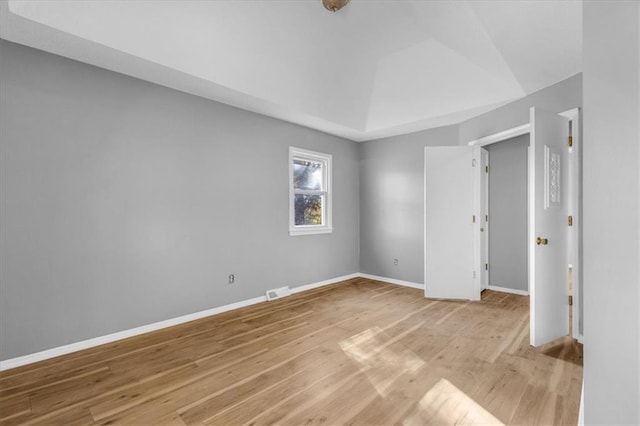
<point>446,404</point>
<point>382,364</point>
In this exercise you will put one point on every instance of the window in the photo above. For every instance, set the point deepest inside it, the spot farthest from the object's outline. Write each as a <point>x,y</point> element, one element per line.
<point>309,192</point>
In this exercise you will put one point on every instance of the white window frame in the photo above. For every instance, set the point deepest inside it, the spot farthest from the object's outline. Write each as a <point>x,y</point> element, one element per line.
<point>326,160</point>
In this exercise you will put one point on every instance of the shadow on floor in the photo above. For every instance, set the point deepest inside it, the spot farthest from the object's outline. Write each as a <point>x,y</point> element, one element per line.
<point>566,349</point>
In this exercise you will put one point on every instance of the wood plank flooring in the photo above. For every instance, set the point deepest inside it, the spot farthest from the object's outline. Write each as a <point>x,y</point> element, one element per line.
<point>356,352</point>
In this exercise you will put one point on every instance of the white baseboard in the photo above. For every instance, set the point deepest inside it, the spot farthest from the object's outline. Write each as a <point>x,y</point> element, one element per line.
<point>96,341</point>
<point>323,283</point>
<point>392,281</point>
<point>109,338</point>
<point>508,290</point>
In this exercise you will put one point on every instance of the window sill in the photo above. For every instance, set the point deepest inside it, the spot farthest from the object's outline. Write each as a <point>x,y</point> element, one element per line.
<point>309,231</point>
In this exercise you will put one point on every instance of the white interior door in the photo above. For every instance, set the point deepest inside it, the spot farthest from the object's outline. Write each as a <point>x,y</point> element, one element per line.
<point>548,200</point>
<point>451,189</point>
<point>484,219</point>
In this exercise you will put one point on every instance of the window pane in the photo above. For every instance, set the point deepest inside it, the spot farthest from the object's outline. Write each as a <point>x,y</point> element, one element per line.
<point>308,209</point>
<point>307,175</point>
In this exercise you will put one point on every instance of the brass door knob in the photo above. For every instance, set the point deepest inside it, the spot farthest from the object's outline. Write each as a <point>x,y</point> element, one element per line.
<point>542,241</point>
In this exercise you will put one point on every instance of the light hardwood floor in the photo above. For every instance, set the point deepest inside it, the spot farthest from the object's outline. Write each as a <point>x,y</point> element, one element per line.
<point>357,352</point>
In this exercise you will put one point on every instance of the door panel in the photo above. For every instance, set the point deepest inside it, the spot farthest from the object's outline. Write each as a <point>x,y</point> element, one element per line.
<point>450,197</point>
<point>548,199</point>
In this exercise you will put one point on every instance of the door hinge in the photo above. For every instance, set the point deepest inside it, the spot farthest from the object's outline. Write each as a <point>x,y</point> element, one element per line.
<point>570,300</point>
<point>486,266</point>
<point>570,141</point>
<point>486,169</point>
<point>570,220</point>
<point>486,218</point>
<point>474,218</point>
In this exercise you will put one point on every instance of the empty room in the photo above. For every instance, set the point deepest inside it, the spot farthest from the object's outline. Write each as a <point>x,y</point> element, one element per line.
<point>246,212</point>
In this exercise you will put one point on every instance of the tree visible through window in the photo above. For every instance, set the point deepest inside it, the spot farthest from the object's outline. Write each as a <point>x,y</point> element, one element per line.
<point>307,176</point>
<point>310,189</point>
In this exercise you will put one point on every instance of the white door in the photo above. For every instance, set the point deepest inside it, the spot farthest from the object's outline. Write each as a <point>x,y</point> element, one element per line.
<point>484,219</point>
<point>548,199</point>
<point>451,188</point>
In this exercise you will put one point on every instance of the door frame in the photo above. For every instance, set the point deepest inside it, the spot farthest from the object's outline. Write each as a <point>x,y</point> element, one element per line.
<point>483,209</point>
<point>574,239</point>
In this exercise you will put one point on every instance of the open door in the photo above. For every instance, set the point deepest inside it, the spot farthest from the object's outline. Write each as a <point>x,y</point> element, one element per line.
<point>451,222</point>
<point>548,202</point>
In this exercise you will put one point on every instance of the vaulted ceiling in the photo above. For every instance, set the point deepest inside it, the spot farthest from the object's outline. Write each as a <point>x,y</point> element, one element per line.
<point>373,69</point>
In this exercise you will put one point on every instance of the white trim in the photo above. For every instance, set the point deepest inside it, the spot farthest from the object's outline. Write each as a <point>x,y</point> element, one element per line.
<point>325,193</point>
<point>477,208</point>
<point>531,229</point>
<point>484,201</point>
<point>323,283</point>
<point>424,220</point>
<point>392,281</point>
<point>311,231</point>
<point>580,338</point>
<point>501,136</point>
<point>109,338</point>
<point>574,237</point>
<point>572,114</point>
<point>508,290</point>
<point>96,341</point>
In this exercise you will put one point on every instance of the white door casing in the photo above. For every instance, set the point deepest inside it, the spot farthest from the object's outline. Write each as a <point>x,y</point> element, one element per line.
<point>575,207</point>
<point>484,219</point>
<point>548,206</point>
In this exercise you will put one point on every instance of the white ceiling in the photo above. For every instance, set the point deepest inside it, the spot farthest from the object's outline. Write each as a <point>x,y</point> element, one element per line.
<point>373,69</point>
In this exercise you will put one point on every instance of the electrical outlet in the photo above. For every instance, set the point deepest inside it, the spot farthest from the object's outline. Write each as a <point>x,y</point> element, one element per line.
<point>232,278</point>
<point>395,262</point>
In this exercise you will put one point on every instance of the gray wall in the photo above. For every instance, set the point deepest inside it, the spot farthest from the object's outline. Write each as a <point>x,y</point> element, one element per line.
<point>508,202</point>
<point>611,34</point>
<point>124,203</point>
<point>562,96</point>
<point>392,203</point>
<point>391,180</point>
<point>112,186</point>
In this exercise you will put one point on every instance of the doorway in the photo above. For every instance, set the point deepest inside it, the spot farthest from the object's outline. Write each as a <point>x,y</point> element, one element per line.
<point>507,211</point>
<point>572,178</point>
<point>455,224</point>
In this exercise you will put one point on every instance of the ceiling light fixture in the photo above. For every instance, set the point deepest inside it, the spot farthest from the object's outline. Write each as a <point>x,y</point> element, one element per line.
<point>334,5</point>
